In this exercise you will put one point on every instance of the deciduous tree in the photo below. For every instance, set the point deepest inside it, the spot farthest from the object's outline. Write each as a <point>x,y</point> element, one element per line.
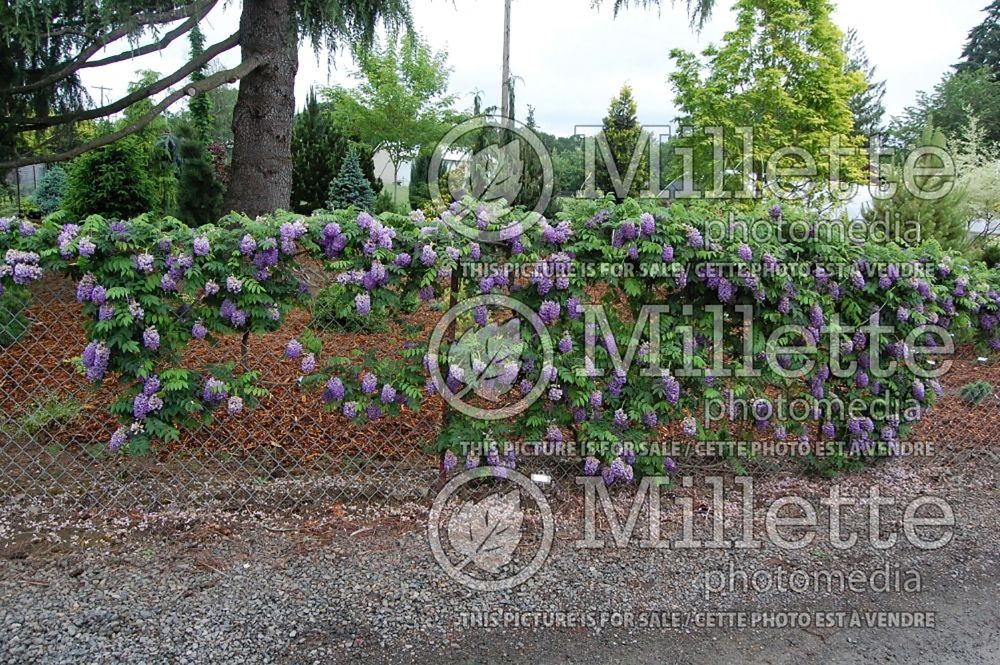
<point>781,73</point>
<point>402,98</point>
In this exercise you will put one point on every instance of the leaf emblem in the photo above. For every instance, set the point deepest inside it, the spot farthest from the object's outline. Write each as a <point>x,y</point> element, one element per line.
<point>487,533</point>
<point>490,359</point>
<point>495,172</point>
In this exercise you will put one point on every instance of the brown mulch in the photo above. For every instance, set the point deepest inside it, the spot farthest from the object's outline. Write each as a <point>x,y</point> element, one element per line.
<point>38,368</point>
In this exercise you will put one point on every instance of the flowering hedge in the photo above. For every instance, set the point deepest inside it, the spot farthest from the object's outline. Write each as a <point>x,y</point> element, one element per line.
<point>150,286</point>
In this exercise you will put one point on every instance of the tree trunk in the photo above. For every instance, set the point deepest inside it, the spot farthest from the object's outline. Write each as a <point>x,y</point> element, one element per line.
<point>261,172</point>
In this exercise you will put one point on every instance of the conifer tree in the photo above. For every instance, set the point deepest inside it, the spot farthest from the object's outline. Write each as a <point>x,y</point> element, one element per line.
<point>983,47</point>
<point>199,197</point>
<point>51,190</point>
<point>317,151</point>
<point>351,187</point>
<point>942,218</point>
<point>200,194</point>
<point>623,134</point>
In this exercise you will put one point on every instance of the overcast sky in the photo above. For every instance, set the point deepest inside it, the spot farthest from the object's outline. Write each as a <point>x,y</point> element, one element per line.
<point>572,59</point>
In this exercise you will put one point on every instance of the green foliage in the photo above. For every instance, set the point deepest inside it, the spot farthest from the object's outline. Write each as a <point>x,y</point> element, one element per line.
<point>238,278</point>
<point>568,162</point>
<point>991,255</point>
<point>983,46</point>
<point>49,411</point>
<point>199,106</point>
<point>699,11</point>
<point>782,71</point>
<point>401,102</point>
<point>931,202</point>
<point>532,175</point>
<point>159,147</point>
<point>334,310</point>
<point>351,187</point>
<point>868,105</point>
<point>977,163</point>
<point>113,181</point>
<point>163,286</point>
<point>974,393</point>
<point>317,151</point>
<point>391,200</point>
<point>51,190</point>
<point>14,322</point>
<point>199,200</point>
<point>221,101</point>
<point>944,294</point>
<point>32,50</point>
<point>420,194</point>
<point>625,137</point>
<point>958,95</point>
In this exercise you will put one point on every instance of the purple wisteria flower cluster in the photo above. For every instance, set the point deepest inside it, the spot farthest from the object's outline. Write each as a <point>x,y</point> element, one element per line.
<point>21,267</point>
<point>95,359</point>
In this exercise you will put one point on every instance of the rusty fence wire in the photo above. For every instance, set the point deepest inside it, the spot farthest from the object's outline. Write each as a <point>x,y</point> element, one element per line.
<point>288,453</point>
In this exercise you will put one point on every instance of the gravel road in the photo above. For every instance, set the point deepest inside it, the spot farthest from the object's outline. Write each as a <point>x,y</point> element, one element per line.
<point>362,586</point>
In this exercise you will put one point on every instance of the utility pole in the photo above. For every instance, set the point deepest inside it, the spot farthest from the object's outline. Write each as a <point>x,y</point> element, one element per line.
<point>17,181</point>
<point>102,89</point>
<point>505,88</point>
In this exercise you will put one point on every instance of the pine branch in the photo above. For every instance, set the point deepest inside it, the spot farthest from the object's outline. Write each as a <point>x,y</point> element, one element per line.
<point>26,124</point>
<point>209,83</point>
<point>194,12</point>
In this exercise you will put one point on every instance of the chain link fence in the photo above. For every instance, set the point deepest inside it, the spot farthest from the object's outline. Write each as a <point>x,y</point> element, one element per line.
<point>289,453</point>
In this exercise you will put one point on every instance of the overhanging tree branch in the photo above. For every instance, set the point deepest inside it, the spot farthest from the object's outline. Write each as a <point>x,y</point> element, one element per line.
<point>209,83</point>
<point>153,47</point>
<point>193,12</point>
<point>26,124</point>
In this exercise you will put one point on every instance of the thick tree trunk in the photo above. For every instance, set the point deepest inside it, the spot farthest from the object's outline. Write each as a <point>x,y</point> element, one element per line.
<point>261,173</point>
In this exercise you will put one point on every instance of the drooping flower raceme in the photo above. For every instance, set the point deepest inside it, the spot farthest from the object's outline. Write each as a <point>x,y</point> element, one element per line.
<point>201,246</point>
<point>151,338</point>
<point>95,360</point>
<point>369,383</point>
<point>215,391</point>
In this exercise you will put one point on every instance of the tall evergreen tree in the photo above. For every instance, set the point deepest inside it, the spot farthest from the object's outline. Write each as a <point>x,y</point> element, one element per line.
<point>532,181</point>
<point>983,46</point>
<point>200,105</point>
<point>623,134</point>
<point>868,105</point>
<point>199,197</point>
<point>419,189</point>
<point>351,187</point>
<point>317,151</point>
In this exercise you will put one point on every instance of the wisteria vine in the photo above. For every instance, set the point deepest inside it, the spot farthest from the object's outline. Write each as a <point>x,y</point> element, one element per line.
<point>150,287</point>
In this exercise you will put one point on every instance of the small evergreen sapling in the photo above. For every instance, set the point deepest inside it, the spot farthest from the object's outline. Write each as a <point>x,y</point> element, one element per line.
<point>350,187</point>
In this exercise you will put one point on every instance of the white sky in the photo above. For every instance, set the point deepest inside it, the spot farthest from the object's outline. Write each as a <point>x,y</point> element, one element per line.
<point>572,59</point>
